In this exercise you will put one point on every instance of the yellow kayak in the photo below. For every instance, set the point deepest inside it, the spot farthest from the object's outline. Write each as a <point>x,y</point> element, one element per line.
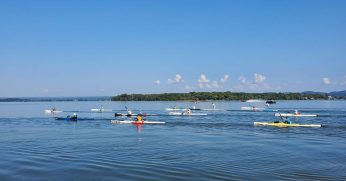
<point>281,124</point>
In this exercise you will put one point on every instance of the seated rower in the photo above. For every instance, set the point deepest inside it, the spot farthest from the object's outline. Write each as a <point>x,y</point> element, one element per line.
<point>188,112</point>
<point>129,113</point>
<point>74,116</point>
<point>296,112</point>
<point>139,118</point>
<point>287,120</point>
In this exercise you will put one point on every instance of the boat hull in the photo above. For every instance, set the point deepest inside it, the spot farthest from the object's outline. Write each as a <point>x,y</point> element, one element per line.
<point>185,114</point>
<point>51,111</point>
<point>257,109</point>
<point>133,115</point>
<point>71,119</point>
<point>280,124</point>
<point>294,115</point>
<point>175,109</point>
<point>136,123</point>
<point>101,110</point>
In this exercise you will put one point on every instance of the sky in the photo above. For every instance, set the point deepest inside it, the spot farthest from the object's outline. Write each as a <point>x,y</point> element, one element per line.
<point>93,48</point>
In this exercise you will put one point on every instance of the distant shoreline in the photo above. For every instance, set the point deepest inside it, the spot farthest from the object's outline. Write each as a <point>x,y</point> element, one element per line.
<point>221,96</point>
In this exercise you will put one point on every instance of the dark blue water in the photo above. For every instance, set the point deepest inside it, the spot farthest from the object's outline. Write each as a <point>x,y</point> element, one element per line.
<point>221,146</point>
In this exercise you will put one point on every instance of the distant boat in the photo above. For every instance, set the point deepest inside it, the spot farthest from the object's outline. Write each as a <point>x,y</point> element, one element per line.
<point>176,109</point>
<point>186,114</point>
<point>52,111</point>
<point>255,101</point>
<point>101,110</point>
<point>270,102</point>
<point>252,107</point>
<point>248,108</point>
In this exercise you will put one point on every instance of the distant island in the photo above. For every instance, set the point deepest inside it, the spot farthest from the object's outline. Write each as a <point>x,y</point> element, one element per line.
<point>191,96</point>
<point>55,99</point>
<point>228,96</point>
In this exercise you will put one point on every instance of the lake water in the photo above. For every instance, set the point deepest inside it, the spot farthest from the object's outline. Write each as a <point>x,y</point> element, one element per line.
<point>221,146</point>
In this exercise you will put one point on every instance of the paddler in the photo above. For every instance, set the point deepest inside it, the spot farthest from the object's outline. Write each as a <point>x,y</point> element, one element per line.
<point>188,112</point>
<point>287,120</point>
<point>296,112</point>
<point>139,118</point>
<point>129,113</point>
<point>74,116</point>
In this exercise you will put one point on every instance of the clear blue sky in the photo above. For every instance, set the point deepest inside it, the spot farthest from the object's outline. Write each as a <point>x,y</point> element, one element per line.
<point>69,48</point>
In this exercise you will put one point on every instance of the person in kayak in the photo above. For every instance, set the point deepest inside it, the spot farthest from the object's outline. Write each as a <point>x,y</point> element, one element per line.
<point>139,118</point>
<point>188,112</point>
<point>296,112</point>
<point>73,117</point>
<point>129,113</point>
<point>287,120</point>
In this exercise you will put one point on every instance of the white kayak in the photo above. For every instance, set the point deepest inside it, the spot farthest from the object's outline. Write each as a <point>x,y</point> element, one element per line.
<point>133,115</point>
<point>252,109</point>
<point>260,109</point>
<point>135,122</point>
<point>186,114</point>
<point>176,109</point>
<point>294,115</point>
<point>101,110</point>
<point>49,111</point>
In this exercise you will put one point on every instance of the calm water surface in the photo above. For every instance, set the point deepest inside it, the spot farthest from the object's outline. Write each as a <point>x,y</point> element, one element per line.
<point>221,146</point>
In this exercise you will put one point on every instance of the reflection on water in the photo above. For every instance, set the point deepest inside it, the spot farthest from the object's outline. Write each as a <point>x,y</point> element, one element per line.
<point>221,146</point>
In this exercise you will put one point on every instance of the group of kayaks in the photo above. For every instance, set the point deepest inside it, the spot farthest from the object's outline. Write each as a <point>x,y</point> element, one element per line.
<point>180,111</point>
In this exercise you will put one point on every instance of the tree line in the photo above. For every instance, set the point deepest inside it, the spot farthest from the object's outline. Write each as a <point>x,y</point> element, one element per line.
<point>228,96</point>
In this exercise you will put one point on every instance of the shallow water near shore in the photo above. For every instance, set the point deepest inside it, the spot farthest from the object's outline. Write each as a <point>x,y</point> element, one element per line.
<point>225,145</point>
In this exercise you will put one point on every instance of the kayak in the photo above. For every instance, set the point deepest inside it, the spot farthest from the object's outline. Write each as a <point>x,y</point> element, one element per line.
<point>73,119</point>
<point>133,115</point>
<point>49,111</point>
<point>281,124</point>
<point>101,110</point>
<point>185,114</point>
<point>135,122</point>
<point>270,110</point>
<point>212,109</point>
<point>176,109</point>
<point>252,109</point>
<point>258,109</point>
<point>294,115</point>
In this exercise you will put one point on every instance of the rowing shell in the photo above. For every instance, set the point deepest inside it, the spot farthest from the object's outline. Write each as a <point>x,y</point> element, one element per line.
<point>212,109</point>
<point>176,109</point>
<point>101,110</point>
<point>133,115</point>
<point>135,122</point>
<point>186,114</point>
<point>252,109</point>
<point>73,119</point>
<point>281,124</point>
<point>294,115</point>
<point>48,111</point>
<point>258,109</point>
